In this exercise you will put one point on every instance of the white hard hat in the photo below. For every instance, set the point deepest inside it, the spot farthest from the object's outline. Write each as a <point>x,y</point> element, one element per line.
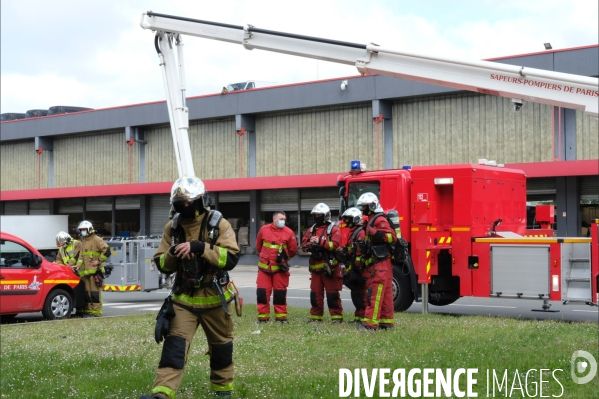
<point>354,213</point>
<point>370,200</point>
<point>323,209</point>
<point>188,189</point>
<point>85,225</point>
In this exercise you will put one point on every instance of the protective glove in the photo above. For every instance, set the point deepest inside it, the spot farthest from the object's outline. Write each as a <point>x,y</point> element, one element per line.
<point>163,327</point>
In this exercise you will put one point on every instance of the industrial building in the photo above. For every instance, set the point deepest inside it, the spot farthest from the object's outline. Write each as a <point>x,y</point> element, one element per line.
<point>282,148</point>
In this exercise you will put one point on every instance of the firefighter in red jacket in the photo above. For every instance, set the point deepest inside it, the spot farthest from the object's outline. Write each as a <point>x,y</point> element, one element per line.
<point>379,287</point>
<point>275,245</point>
<point>321,240</point>
<point>355,275</point>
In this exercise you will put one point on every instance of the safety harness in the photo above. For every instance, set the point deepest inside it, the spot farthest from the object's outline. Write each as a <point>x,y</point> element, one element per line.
<point>331,262</point>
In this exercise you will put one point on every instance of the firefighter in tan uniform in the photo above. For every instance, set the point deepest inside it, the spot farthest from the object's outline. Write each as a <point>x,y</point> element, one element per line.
<point>90,261</point>
<point>200,246</point>
<point>68,249</point>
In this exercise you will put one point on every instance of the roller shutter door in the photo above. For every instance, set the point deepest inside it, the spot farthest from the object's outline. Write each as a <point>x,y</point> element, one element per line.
<point>41,207</point>
<point>540,189</point>
<point>70,205</point>
<point>233,196</point>
<point>589,188</point>
<point>96,204</point>
<point>130,202</point>
<point>160,206</point>
<point>279,200</point>
<point>15,208</point>
<point>313,196</point>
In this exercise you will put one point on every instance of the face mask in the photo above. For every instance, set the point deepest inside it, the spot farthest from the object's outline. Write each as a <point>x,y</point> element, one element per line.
<point>319,220</point>
<point>186,212</point>
<point>83,233</point>
<point>280,224</point>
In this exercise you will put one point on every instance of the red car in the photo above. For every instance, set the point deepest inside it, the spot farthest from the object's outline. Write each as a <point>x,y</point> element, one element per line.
<point>29,283</point>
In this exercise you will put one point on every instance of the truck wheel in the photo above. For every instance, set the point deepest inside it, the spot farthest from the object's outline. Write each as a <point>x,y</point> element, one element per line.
<point>403,297</point>
<point>58,305</point>
<point>443,302</point>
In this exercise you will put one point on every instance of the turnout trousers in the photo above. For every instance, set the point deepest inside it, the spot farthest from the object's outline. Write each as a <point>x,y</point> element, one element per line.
<point>275,284</point>
<point>93,296</point>
<point>218,327</point>
<point>358,295</point>
<point>321,285</point>
<point>379,295</point>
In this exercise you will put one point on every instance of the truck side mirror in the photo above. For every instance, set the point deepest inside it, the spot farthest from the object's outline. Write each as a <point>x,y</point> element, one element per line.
<point>37,260</point>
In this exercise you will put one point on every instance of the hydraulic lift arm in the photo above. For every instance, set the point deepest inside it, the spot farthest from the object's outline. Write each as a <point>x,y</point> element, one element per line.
<point>516,82</point>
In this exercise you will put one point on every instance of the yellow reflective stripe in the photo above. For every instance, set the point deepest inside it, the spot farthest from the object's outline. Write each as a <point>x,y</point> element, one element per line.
<point>317,266</point>
<point>228,387</point>
<point>61,281</point>
<point>316,317</point>
<point>263,316</point>
<point>331,245</point>
<point>274,246</point>
<point>205,300</point>
<point>265,266</point>
<point>161,259</point>
<point>103,257</point>
<point>164,390</point>
<point>389,238</point>
<point>83,273</point>
<point>91,253</point>
<point>333,317</point>
<point>280,314</point>
<point>377,301</point>
<point>387,321</point>
<point>222,259</point>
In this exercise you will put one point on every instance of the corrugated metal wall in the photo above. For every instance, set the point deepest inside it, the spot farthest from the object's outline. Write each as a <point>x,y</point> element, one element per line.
<point>314,141</point>
<point>95,159</point>
<point>464,128</point>
<point>214,149</point>
<point>21,168</point>
<point>587,137</point>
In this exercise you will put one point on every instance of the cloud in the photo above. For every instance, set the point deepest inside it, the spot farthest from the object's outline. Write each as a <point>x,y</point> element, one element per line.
<point>95,53</point>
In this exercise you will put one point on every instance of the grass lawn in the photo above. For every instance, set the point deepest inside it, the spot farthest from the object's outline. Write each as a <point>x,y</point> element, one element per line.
<point>117,357</point>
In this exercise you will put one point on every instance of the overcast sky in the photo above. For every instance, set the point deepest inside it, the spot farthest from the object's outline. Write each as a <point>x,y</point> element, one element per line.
<point>93,53</point>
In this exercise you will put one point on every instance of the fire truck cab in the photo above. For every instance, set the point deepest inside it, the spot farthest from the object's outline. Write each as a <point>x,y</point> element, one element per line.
<point>467,234</point>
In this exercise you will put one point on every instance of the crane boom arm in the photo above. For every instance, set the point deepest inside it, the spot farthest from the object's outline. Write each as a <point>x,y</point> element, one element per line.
<point>516,82</point>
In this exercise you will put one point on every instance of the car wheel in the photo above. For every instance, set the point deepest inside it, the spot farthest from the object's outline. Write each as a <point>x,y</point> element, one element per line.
<point>58,305</point>
<point>403,297</point>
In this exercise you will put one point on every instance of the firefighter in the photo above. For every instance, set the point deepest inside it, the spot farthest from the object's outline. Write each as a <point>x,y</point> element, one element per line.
<point>355,275</point>
<point>68,249</point>
<point>92,254</point>
<point>200,246</point>
<point>275,245</point>
<point>321,240</point>
<point>379,287</point>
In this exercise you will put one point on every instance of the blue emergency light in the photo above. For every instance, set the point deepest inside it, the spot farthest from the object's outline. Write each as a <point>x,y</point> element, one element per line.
<point>354,166</point>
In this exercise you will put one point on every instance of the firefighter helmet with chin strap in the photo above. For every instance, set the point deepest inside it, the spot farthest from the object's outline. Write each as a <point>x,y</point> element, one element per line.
<point>86,225</point>
<point>354,214</point>
<point>187,189</point>
<point>323,209</point>
<point>370,200</point>
<point>62,238</point>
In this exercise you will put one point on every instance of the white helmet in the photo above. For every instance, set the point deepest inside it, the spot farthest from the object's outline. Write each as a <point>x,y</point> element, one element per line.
<point>322,208</point>
<point>354,213</point>
<point>188,189</point>
<point>85,225</point>
<point>370,200</point>
<point>62,238</point>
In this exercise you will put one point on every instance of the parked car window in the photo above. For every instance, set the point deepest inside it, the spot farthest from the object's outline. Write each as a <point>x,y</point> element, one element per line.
<point>15,255</point>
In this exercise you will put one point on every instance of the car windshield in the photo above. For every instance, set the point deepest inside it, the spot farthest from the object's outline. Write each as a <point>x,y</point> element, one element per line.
<point>236,86</point>
<point>359,188</point>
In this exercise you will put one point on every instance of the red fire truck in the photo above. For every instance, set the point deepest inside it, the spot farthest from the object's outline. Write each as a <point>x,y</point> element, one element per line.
<point>465,224</point>
<point>467,235</point>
